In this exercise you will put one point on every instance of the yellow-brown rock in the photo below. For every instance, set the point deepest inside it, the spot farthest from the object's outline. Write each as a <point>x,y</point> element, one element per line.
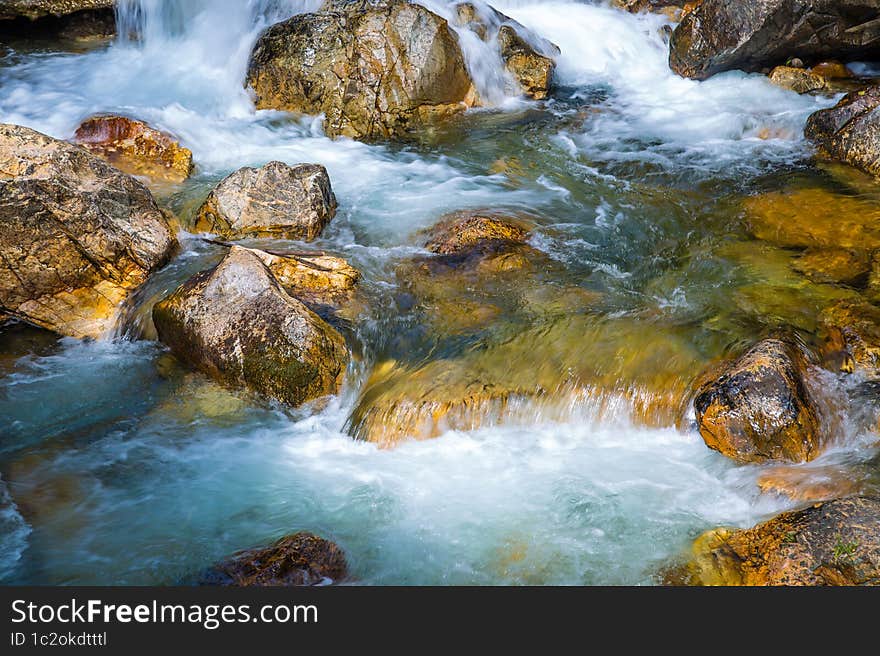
<point>759,408</point>
<point>77,236</point>
<point>832,70</point>
<point>463,230</point>
<point>808,484</point>
<point>853,334</point>
<point>834,265</point>
<point>136,148</point>
<point>814,217</point>
<point>799,80</point>
<point>831,543</point>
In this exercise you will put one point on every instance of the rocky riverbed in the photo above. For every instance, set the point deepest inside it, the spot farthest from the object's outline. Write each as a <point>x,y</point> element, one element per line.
<point>384,292</point>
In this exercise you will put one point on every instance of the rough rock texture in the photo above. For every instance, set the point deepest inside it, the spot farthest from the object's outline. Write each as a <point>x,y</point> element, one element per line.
<point>853,337</point>
<point>237,324</point>
<point>760,408</point>
<point>722,35</point>
<point>323,282</point>
<point>299,559</point>
<point>798,80</point>
<point>532,70</point>
<point>831,543</point>
<point>76,235</point>
<point>275,200</point>
<point>34,9</point>
<point>375,68</point>
<point>850,131</point>
<point>529,58</point>
<point>463,230</point>
<point>134,147</point>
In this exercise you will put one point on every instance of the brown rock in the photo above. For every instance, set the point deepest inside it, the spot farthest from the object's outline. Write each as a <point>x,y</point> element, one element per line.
<point>831,543</point>
<point>853,337</point>
<point>375,68</point>
<point>532,70</point>
<point>759,408</point>
<point>832,70</point>
<point>813,484</point>
<point>136,148</point>
<point>76,235</point>
<point>798,80</point>
<point>275,200</point>
<point>295,560</point>
<point>834,265</point>
<point>463,230</point>
<point>236,324</point>
<point>814,217</point>
<point>34,9</point>
<point>850,131</point>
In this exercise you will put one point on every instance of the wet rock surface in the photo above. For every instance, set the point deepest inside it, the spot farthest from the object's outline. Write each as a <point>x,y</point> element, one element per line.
<point>759,408</point>
<point>76,235</point>
<point>296,560</point>
<point>831,543</point>
<point>850,131</point>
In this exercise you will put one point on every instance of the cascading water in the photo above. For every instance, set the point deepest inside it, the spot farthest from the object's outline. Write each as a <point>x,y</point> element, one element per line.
<point>129,469</point>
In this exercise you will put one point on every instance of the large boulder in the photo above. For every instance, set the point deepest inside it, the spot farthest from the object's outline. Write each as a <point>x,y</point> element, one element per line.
<point>76,235</point>
<point>831,543</point>
<point>237,324</point>
<point>759,408</point>
<point>34,9</point>
<point>295,560</point>
<point>275,200</point>
<point>749,35</point>
<point>136,148</point>
<point>850,131</point>
<point>374,68</point>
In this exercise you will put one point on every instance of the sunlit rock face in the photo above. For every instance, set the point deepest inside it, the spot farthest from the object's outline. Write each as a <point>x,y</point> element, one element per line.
<point>832,543</point>
<point>237,324</point>
<point>77,236</point>
<point>275,200</point>
<point>375,68</point>
<point>135,148</point>
<point>850,131</point>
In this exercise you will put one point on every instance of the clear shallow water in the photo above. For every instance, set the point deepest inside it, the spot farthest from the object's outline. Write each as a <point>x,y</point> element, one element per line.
<point>123,468</point>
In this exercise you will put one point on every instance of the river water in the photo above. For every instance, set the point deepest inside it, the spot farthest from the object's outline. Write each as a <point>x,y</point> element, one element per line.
<point>119,467</point>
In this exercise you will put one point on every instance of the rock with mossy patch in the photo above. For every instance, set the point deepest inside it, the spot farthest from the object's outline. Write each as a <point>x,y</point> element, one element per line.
<point>295,560</point>
<point>759,408</point>
<point>831,543</point>
<point>275,200</point>
<point>375,69</point>
<point>237,324</point>
<point>850,131</point>
<point>77,236</point>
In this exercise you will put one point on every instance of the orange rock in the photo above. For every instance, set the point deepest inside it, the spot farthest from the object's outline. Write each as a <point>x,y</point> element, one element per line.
<point>135,148</point>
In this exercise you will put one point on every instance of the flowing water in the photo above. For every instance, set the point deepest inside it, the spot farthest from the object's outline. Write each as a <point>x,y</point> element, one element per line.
<point>119,467</point>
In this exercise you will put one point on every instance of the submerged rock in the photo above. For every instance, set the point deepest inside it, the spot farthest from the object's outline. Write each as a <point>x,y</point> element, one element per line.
<point>831,543</point>
<point>722,35</point>
<point>809,484</point>
<point>759,408</point>
<point>834,265</point>
<point>298,559</point>
<point>236,324</point>
<point>136,148</point>
<point>798,80</point>
<point>460,231</point>
<point>853,337</point>
<point>814,218</point>
<point>850,131</point>
<point>76,235</point>
<point>276,200</point>
<point>374,68</point>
